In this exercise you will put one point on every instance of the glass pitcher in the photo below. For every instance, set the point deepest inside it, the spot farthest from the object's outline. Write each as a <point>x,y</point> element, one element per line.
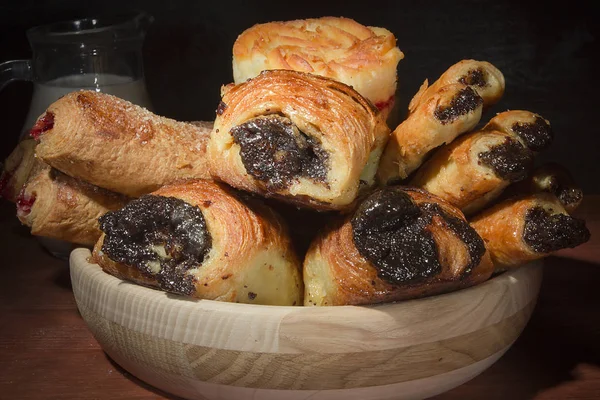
<point>102,54</point>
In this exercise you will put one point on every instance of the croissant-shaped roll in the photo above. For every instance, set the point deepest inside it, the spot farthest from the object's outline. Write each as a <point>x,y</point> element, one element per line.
<point>530,129</point>
<point>528,228</point>
<point>199,239</point>
<point>483,77</point>
<point>454,109</point>
<point>117,145</point>
<point>303,138</point>
<point>363,57</point>
<point>474,169</point>
<point>57,206</point>
<point>553,178</point>
<point>400,243</point>
<point>17,168</point>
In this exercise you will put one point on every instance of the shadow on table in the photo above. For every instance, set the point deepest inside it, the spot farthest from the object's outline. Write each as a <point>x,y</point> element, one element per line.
<point>561,335</point>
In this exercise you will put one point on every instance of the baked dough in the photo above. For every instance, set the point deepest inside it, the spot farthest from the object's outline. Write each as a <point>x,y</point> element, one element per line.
<point>57,206</point>
<point>302,138</point>
<point>17,168</point>
<point>201,239</point>
<point>452,110</point>
<point>400,243</point>
<point>475,169</point>
<point>531,129</point>
<point>483,77</point>
<point>365,58</point>
<point>114,144</point>
<point>527,228</point>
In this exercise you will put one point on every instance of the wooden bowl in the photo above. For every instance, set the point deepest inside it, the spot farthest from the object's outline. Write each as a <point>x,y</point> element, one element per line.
<point>202,349</point>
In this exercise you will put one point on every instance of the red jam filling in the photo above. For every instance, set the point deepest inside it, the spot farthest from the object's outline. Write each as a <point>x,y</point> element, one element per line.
<point>4,187</point>
<point>24,204</point>
<point>43,124</point>
<point>389,103</point>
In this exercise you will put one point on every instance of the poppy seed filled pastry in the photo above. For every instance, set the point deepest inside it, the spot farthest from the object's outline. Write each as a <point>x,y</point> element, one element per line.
<point>552,178</point>
<point>365,58</point>
<point>116,145</point>
<point>483,77</point>
<point>527,228</point>
<point>400,243</point>
<point>529,128</point>
<point>299,137</point>
<point>453,110</point>
<point>57,206</point>
<point>199,239</point>
<point>474,169</point>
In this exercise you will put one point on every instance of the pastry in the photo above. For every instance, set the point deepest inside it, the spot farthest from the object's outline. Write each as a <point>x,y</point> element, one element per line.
<point>527,228</point>
<point>299,137</point>
<point>17,167</point>
<point>363,57</point>
<point>452,110</point>
<point>529,128</point>
<point>117,145</point>
<point>57,206</point>
<point>553,178</point>
<point>474,169</point>
<point>400,243</point>
<point>200,239</point>
<point>483,77</point>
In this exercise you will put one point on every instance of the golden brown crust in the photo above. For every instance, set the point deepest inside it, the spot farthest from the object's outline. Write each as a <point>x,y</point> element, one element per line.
<point>335,273</point>
<point>457,174</point>
<point>342,122</point>
<point>57,206</point>
<point>117,145</point>
<point>17,168</point>
<point>531,129</point>
<point>251,259</point>
<point>483,77</point>
<point>363,57</point>
<point>424,130</point>
<point>503,228</point>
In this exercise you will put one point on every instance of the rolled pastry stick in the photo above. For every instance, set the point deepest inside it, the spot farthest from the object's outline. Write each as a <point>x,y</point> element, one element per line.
<point>199,239</point>
<point>474,169</point>
<point>117,145</point>
<point>57,206</point>
<point>552,178</point>
<point>528,228</point>
<point>17,167</point>
<point>454,109</point>
<point>400,243</point>
<point>483,77</point>
<point>529,128</point>
<point>365,58</point>
<point>302,138</point>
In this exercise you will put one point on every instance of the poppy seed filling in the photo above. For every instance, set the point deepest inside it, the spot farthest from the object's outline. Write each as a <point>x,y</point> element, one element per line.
<point>162,237</point>
<point>394,235</point>
<point>276,152</point>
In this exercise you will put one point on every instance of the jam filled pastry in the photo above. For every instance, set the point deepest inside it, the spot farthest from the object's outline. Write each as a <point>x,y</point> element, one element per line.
<point>553,178</point>
<point>400,243</point>
<point>199,239</point>
<point>299,137</point>
<point>482,76</point>
<point>452,110</point>
<point>474,169</point>
<point>117,145</point>
<point>17,168</point>
<point>530,129</point>
<point>526,228</point>
<point>57,206</point>
<point>365,58</point>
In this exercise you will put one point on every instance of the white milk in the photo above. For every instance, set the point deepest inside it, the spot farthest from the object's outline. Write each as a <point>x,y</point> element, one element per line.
<point>120,86</point>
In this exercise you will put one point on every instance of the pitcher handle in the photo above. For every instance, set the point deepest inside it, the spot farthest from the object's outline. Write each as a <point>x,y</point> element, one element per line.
<point>15,70</point>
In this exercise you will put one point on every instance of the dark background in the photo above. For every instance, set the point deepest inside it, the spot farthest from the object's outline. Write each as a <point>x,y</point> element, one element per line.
<point>545,50</point>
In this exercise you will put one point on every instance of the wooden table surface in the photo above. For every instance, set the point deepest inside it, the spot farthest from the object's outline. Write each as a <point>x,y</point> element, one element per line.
<point>46,351</point>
